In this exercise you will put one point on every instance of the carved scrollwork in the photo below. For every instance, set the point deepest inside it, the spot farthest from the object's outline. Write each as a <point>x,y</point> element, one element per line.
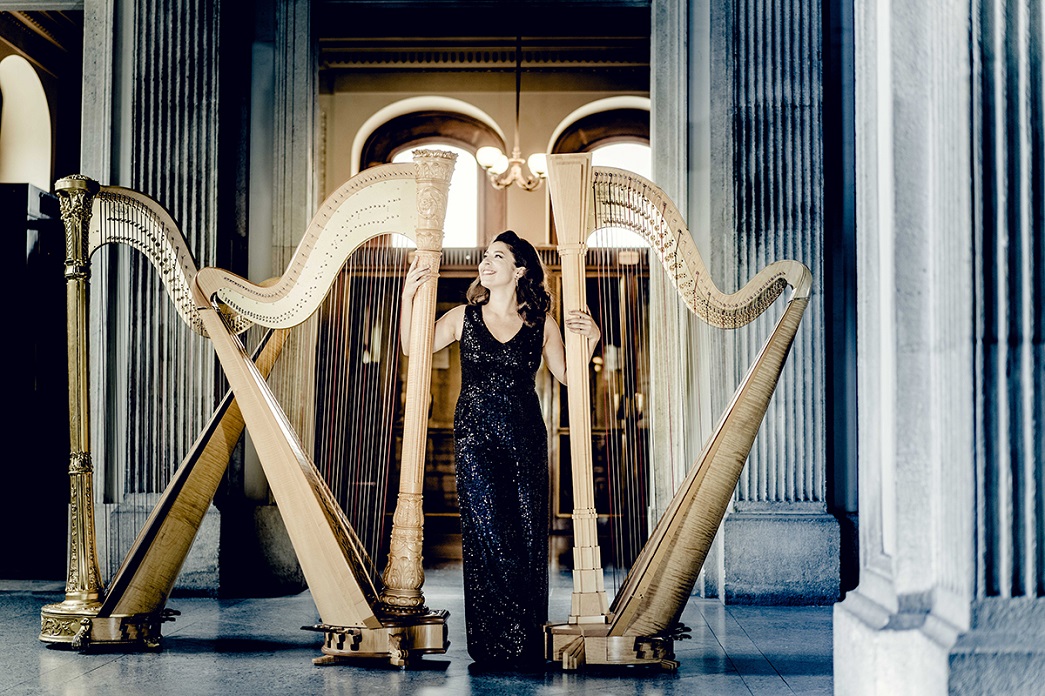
<point>434,164</point>
<point>404,574</point>
<point>80,463</point>
<point>54,627</point>
<point>431,206</point>
<point>75,196</point>
<point>82,637</point>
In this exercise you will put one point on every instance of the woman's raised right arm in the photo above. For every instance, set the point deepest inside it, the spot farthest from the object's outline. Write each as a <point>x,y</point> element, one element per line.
<point>447,328</point>
<point>415,278</point>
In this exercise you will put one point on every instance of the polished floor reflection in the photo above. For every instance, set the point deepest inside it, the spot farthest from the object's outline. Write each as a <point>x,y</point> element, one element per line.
<point>256,646</point>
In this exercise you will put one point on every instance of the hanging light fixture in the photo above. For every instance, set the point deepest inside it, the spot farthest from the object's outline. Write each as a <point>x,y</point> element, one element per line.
<point>502,170</point>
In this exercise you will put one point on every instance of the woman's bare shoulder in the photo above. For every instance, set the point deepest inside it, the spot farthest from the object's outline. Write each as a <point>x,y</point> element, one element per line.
<point>455,314</point>
<point>455,318</point>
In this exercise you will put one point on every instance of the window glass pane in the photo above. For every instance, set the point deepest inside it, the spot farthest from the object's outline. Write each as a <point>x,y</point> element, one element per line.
<point>634,157</point>
<point>461,228</point>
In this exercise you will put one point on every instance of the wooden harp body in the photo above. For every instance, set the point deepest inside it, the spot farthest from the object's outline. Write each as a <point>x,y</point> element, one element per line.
<point>129,610</point>
<point>640,624</point>
<point>360,616</point>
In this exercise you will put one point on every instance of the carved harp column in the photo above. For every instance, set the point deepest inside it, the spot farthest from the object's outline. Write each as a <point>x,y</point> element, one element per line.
<point>404,574</point>
<point>83,586</point>
<point>572,173</point>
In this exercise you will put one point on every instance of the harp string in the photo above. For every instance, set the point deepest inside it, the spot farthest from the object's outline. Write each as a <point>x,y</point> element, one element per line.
<point>145,358</point>
<point>379,423</point>
<point>342,385</point>
<point>397,265</point>
<point>639,375</point>
<point>634,473</point>
<point>621,294</point>
<point>631,297</point>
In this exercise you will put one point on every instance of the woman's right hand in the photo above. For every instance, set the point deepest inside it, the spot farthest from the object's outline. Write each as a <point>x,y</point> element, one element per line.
<point>415,278</point>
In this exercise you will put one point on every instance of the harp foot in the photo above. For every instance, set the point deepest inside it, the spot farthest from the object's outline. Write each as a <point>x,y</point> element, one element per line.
<point>325,660</point>
<point>572,656</point>
<point>80,628</point>
<point>400,640</point>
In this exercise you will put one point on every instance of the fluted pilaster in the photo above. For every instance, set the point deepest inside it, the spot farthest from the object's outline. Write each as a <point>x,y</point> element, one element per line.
<point>950,239</point>
<point>156,96</point>
<point>780,216</point>
<point>1010,275</point>
<point>778,208</point>
<point>295,109</point>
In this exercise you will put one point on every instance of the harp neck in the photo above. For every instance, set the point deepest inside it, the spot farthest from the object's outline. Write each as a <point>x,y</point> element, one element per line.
<point>409,199</point>
<point>626,200</point>
<point>118,215</point>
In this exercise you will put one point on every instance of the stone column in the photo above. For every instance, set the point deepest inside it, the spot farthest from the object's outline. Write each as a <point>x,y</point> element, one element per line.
<point>296,71</point>
<point>283,198</point>
<point>153,94</point>
<point>1003,650</point>
<point>686,143</point>
<point>780,543</point>
<point>737,88</point>
<point>669,142</point>
<point>949,229</point>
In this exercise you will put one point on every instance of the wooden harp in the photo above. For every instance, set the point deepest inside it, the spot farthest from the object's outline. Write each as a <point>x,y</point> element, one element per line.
<point>360,616</point>
<point>640,624</point>
<point>129,610</point>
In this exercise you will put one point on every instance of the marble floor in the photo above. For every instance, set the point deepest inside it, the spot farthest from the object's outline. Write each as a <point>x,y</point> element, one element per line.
<point>256,646</point>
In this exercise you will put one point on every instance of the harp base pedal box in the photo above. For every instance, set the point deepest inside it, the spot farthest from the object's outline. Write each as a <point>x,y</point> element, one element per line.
<point>576,645</point>
<point>78,626</point>
<point>400,640</point>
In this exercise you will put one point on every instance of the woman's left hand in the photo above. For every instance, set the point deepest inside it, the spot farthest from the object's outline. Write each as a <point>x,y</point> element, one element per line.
<point>580,322</point>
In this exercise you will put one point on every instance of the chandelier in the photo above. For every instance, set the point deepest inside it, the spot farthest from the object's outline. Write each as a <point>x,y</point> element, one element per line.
<point>503,171</point>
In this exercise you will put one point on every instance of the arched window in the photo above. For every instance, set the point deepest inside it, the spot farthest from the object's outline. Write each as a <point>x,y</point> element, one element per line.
<point>474,207</point>
<point>25,125</point>
<point>615,138</point>
<point>634,157</point>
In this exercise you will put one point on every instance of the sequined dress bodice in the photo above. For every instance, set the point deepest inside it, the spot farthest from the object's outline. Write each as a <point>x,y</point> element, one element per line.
<point>495,374</point>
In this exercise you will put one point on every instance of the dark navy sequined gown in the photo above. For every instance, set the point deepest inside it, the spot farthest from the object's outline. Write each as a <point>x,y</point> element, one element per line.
<point>501,451</point>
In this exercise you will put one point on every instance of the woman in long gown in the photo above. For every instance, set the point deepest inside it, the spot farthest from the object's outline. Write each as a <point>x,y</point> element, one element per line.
<point>501,445</point>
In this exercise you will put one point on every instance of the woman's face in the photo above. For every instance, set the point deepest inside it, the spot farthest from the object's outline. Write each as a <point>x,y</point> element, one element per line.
<point>498,266</point>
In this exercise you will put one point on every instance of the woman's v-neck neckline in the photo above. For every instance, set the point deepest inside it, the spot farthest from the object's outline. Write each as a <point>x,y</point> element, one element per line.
<point>486,327</point>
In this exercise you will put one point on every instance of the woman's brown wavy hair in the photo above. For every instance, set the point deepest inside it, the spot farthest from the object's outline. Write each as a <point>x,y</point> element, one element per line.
<point>531,292</point>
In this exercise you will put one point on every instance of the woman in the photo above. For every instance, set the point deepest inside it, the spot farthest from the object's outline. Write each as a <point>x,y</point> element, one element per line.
<point>501,444</point>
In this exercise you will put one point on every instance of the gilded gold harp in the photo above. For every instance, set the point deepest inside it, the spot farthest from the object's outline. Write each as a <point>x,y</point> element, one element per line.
<point>360,616</point>
<point>640,624</point>
<point>129,610</point>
